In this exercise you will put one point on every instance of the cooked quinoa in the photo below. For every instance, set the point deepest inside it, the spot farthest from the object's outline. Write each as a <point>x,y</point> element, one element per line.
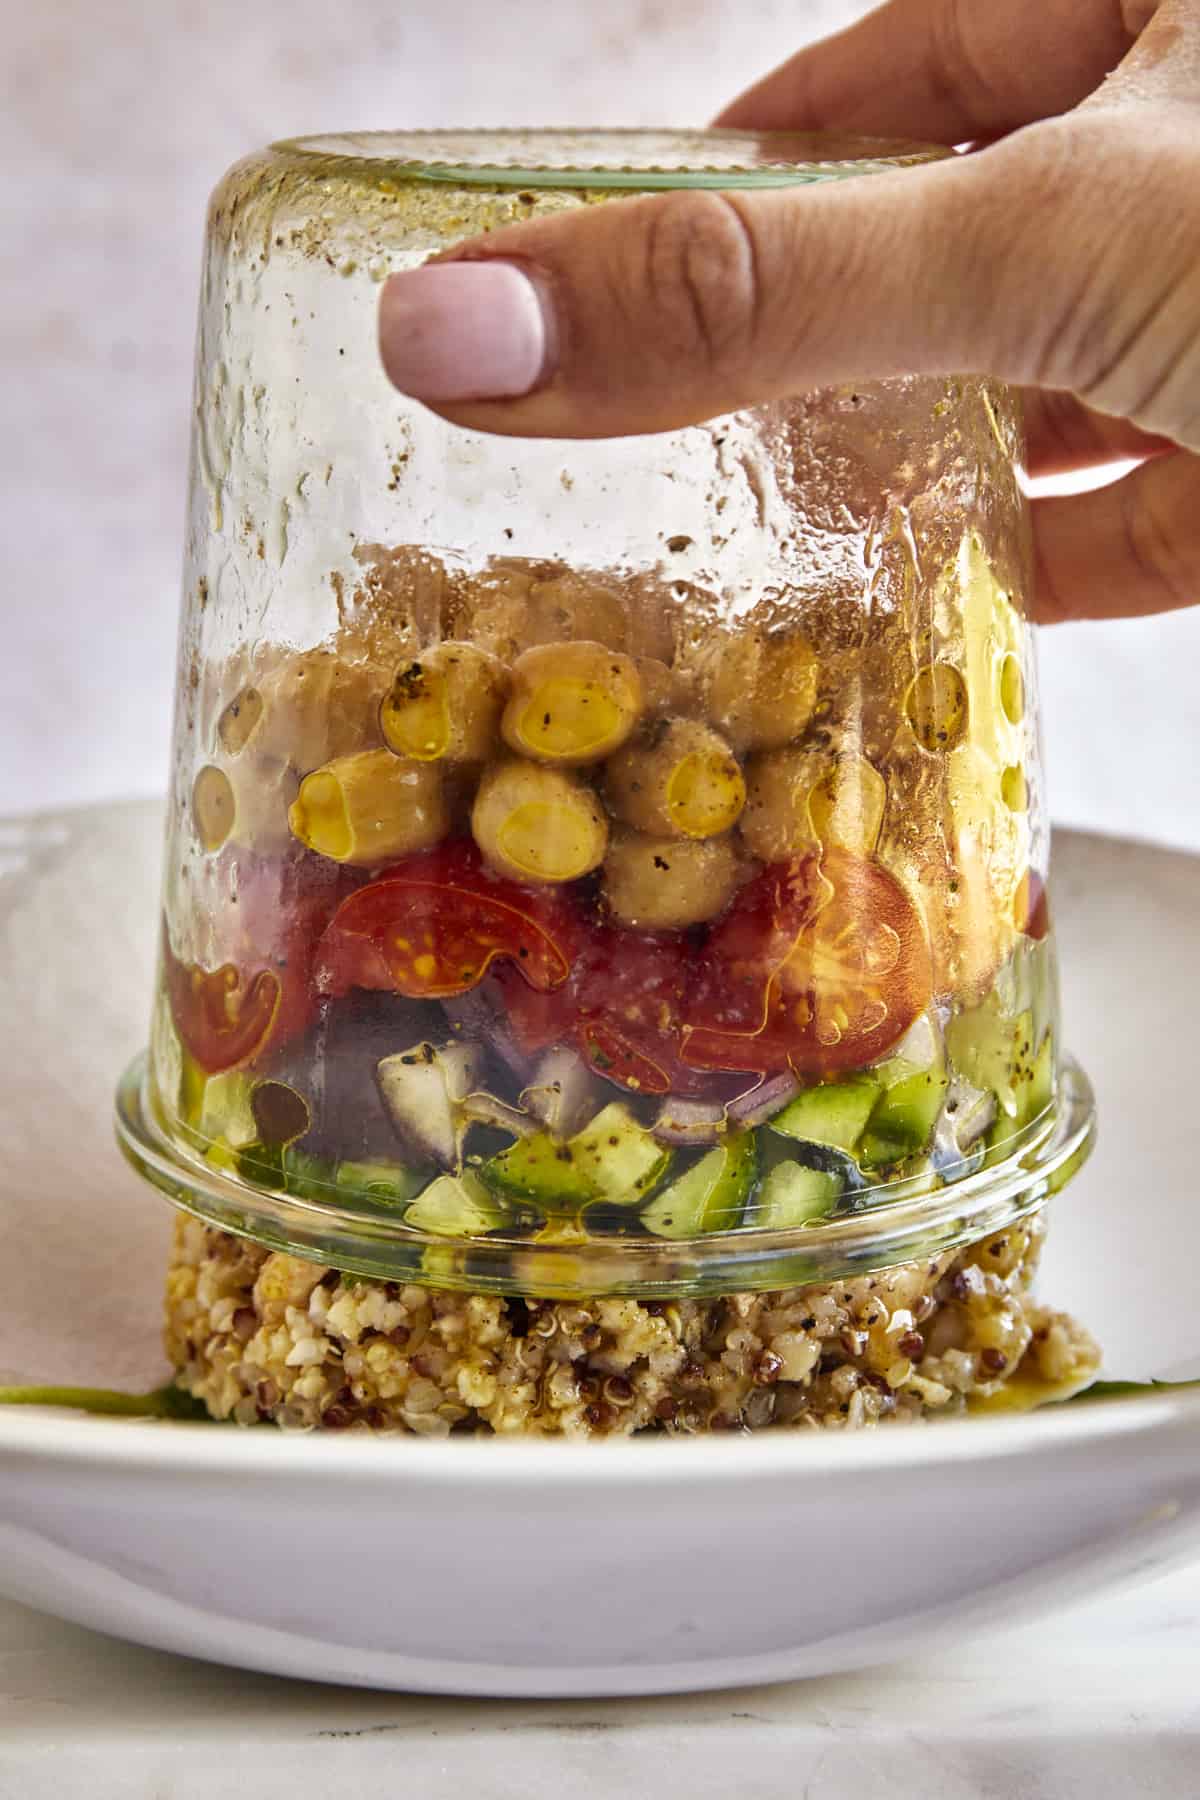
<point>260,1336</point>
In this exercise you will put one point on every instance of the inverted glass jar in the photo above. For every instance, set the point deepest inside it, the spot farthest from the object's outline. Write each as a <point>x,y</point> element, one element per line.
<point>608,866</point>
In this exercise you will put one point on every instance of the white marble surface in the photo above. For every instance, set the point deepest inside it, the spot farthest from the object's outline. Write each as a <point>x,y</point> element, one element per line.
<point>116,120</point>
<point>1098,1704</point>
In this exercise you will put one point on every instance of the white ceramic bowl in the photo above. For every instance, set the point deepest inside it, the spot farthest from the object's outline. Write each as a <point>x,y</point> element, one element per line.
<point>481,1567</point>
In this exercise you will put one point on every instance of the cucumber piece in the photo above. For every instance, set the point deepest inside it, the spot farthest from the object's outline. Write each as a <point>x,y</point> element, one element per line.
<point>835,1113</point>
<point>614,1159</point>
<point>904,1117</point>
<point>795,1195</point>
<point>312,1177</point>
<point>1032,1093</point>
<point>1040,1092</point>
<point>225,1108</point>
<point>455,1206</point>
<point>992,1048</point>
<point>390,1182</point>
<point>710,1195</point>
<point>542,1170</point>
<point>621,1159</point>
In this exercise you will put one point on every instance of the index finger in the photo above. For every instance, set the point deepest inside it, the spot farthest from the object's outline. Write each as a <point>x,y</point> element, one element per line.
<point>945,70</point>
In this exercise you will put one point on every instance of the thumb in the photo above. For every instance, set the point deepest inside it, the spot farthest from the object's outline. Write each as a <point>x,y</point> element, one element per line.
<point>650,314</point>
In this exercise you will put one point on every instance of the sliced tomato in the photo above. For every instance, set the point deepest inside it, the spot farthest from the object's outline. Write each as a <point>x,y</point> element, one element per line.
<point>536,1020</point>
<point>1031,908</point>
<point>434,924</point>
<point>622,1008</point>
<point>855,978</point>
<point>262,997</point>
<point>732,981</point>
<point>630,989</point>
<point>222,1015</point>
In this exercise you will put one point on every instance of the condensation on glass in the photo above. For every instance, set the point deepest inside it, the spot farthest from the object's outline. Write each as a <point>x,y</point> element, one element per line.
<point>591,866</point>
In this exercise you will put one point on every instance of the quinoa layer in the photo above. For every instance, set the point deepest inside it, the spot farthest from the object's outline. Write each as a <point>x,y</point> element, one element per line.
<point>260,1336</point>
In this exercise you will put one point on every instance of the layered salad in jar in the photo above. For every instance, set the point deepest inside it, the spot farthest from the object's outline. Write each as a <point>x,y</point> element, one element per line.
<point>551,910</point>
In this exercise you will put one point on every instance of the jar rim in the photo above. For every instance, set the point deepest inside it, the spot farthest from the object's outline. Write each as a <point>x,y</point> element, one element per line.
<point>636,158</point>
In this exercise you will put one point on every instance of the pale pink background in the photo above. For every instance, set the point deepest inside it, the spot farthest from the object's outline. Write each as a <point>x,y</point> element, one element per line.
<point>116,117</point>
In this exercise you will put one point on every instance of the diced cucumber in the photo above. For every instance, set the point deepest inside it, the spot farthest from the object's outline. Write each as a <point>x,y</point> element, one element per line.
<point>541,1170</point>
<point>622,1160</point>
<point>991,1048</point>
<point>193,1083</point>
<point>1032,1093</point>
<point>455,1206</point>
<point>710,1195</point>
<point>1038,1087</point>
<point>225,1108</point>
<point>311,1177</point>
<point>904,1117</point>
<point>835,1113</point>
<point>794,1195</point>
<point>614,1159</point>
<point>386,1181</point>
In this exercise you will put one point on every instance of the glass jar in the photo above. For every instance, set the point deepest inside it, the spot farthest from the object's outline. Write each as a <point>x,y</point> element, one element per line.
<point>602,867</point>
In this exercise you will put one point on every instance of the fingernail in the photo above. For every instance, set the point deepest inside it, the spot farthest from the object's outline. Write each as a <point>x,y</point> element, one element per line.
<point>462,331</point>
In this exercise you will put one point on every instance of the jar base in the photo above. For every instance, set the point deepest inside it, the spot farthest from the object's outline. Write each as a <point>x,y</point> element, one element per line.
<point>926,1223</point>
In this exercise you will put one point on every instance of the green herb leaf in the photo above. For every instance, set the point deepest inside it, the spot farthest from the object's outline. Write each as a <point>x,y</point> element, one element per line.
<point>1117,1390</point>
<point>169,1402</point>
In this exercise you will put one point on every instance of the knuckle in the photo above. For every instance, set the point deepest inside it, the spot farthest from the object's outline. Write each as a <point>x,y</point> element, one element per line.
<point>956,72</point>
<point>701,267</point>
<point>1102,262</point>
<point>1158,517</point>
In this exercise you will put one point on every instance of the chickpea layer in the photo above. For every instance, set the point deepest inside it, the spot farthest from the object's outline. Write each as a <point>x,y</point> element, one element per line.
<point>676,778</point>
<point>371,807</point>
<point>538,824</point>
<point>571,703</point>
<point>446,705</point>
<point>799,799</point>
<point>665,884</point>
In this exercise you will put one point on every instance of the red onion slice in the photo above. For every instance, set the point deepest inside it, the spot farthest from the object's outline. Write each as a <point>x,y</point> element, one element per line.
<point>758,1104</point>
<point>476,1019</point>
<point>689,1121</point>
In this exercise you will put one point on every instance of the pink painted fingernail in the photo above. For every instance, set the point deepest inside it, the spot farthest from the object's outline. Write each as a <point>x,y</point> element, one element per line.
<point>463,331</point>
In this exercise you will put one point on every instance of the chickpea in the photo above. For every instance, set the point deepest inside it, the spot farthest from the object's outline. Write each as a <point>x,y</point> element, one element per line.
<point>571,703</point>
<point>936,706</point>
<point>366,809</point>
<point>664,689</point>
<point>759,691</point>
<point>664,884</point>
<point>676,778</point>
<point>240,720</point>
<point>404,601</point>
<point>307,709</point>
<point>447,705</point>
<point>572,608</point>
<point>243,803</point>
<point>493,607</point>
<point>797,799</point>
<point>538,824</point>
<point>656,611</point>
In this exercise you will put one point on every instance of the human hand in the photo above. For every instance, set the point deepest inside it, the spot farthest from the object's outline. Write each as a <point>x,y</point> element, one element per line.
<point>1063,256</point>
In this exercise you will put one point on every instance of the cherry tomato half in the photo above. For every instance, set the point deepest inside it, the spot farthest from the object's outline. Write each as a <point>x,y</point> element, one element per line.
<point>857,974</point>
<point>434,924</point>
<point>1031,907</point>
<point>222,1015</point>
<point>261,997</point>
<point>630,990</point>
<point>621,1007</point>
